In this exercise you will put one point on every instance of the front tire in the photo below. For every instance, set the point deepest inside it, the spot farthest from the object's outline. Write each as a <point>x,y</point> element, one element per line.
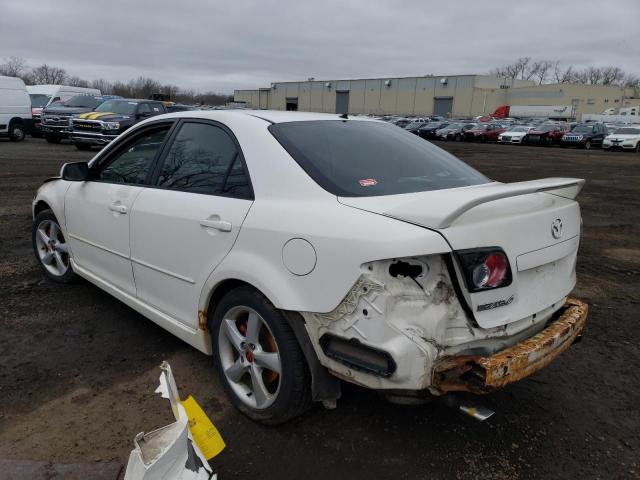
<point>51,248</point>
<point>587,145</point>
<point>258,359</point>
<point>16,132</point>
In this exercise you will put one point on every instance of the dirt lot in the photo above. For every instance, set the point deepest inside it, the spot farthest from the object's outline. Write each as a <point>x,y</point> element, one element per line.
<point>78,368</point>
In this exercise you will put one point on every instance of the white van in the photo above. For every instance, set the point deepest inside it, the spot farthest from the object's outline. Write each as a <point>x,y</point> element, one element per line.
<point>15,108</point>
<point>44,95</point>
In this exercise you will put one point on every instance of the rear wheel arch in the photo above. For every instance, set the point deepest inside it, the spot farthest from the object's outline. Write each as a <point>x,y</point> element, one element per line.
<point>324,386</point>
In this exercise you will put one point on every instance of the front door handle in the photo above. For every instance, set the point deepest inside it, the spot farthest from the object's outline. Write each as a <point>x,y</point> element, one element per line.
<point>221,225</point>
<point>117,207</point>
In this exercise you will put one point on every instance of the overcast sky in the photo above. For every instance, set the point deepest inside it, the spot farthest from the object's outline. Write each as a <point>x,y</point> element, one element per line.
<point>222,45</point>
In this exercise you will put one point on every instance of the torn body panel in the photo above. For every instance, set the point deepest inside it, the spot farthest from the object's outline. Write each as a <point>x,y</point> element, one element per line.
<point>407,309</point>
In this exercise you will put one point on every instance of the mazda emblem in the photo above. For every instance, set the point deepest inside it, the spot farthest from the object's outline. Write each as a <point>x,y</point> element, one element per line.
<point>556,228</point>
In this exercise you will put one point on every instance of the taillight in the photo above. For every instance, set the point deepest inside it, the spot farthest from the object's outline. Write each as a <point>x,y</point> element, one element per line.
<point>485,268</point>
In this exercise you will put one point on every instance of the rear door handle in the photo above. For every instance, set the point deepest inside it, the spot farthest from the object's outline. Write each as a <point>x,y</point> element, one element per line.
<point>116,207</point>
<point>221,225</point>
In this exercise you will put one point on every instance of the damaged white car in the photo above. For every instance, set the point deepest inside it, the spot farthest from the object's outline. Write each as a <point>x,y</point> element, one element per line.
<point>300,249</point>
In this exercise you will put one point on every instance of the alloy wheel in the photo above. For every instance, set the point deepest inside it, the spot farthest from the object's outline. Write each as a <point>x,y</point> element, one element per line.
<point>52,248</point>
<point>249,357</point>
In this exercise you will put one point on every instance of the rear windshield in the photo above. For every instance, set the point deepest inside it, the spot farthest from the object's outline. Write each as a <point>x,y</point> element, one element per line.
<point>360,159</point>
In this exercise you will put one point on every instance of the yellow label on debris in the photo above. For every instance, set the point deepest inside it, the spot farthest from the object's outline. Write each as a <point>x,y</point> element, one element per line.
<point>204,433</point>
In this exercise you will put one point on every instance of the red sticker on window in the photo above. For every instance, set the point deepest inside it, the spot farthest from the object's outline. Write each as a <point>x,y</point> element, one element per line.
<point>368,182</point>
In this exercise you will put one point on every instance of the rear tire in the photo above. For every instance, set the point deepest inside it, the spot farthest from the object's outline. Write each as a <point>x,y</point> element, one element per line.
<point>247,330</point>
<point>16,131</point>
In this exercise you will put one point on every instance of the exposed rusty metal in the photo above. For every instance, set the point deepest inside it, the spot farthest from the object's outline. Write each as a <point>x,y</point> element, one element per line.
<point>202,320</point>
<point>479,374</point>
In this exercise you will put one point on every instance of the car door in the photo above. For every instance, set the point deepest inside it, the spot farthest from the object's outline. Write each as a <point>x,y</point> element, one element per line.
<point>98,210</point>
<point>184,226</point>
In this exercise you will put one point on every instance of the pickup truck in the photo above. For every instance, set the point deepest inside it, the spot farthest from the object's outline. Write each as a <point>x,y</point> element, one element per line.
<point>110,119</point>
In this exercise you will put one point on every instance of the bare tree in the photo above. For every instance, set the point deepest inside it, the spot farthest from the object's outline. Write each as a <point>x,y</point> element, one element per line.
<point>46,74</point>
<point>13,67</point>
<point>76,82</point>
<point>540,70</point>
<point>593,75</point>
<point>612,75</point>
<point>631,80</point>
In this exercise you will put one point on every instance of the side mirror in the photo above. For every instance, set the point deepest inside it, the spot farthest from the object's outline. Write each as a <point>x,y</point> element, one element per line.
<point>75,172</point>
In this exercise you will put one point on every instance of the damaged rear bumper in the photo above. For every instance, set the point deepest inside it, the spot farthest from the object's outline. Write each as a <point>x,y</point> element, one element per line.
<point>482,374</point>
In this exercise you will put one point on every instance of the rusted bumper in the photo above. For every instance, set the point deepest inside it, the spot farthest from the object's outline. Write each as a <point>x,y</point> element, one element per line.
<point>479,374</point>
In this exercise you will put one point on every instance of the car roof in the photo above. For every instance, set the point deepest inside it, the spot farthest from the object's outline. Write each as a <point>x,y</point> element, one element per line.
<point>271,116</point>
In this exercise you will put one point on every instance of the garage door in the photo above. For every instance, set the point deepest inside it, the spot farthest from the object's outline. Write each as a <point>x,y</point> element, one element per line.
<point>342,102</point>
<point>443,106</point>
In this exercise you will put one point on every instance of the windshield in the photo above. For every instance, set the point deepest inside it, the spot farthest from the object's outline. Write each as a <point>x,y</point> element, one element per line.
<point>454,126</point>
<point>39,100</point>
<point>628,131</point>
<point>582,129</point>
<point>414,125</point>
<point>518,129</point>
<point>358,158</point>
<point>434,125</point>
<point>118,106</point>
<point>83,101</point>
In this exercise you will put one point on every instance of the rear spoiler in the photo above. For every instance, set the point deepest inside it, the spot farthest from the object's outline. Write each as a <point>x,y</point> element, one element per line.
<point>562,187</point>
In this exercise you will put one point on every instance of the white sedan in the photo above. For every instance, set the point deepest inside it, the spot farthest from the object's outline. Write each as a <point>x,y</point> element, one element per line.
<point>625,138</point>
<point>301,249</point>
<point>516,134</point>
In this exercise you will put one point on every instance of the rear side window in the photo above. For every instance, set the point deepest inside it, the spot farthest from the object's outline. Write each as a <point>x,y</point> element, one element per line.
<point>361,158</point>
<point>204,159</point>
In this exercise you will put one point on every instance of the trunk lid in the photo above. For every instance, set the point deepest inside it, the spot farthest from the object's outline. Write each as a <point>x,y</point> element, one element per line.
<point>517,217</point>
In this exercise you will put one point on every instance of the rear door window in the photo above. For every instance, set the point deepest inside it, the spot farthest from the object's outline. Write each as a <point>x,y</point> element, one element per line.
<point>203,158</point>
<point>362,158</point>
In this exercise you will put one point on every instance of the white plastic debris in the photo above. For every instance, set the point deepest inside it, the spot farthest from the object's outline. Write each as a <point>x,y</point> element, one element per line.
<point>169,453</point>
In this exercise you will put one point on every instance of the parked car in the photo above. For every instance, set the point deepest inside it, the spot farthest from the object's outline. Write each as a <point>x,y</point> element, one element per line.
<point>625,138</point>
<point>15,109</point>
<point>585,135</point>
<point>401,122</point>
<point>110,119</point>
<point>56,117</point>
<point>383,271</point>
<point>179,108</point>
<point>547,134</point>
<point>483,132</point>
<point>416,125</point>
<point>428,130</point>
<point>515,134</point>
<point>44,95</point>
<point>454,131</point>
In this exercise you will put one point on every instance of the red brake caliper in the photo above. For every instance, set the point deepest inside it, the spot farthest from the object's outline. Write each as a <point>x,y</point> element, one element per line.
<point>243,330</point>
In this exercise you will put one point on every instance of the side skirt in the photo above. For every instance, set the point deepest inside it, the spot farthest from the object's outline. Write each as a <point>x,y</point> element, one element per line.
<point>197,338</point>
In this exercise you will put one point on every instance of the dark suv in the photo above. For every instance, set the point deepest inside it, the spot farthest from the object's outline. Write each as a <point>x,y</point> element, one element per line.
<point>585,135</point>
<point>110,119</point>
<point>55,118</point>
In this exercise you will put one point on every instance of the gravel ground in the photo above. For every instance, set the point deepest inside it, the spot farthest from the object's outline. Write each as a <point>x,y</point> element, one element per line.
<point>78,368</point>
